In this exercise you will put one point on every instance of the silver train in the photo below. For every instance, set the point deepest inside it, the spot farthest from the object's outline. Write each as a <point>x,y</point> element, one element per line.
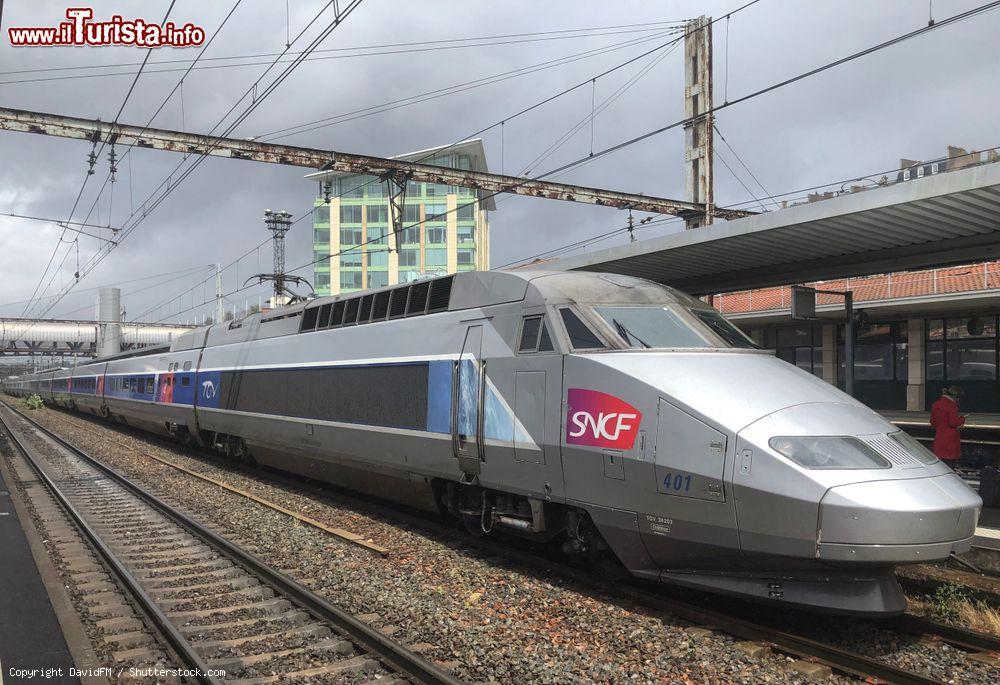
<point>612,415</point>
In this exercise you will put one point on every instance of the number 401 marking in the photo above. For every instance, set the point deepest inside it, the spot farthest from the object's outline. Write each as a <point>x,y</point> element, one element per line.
<point>677,482</point>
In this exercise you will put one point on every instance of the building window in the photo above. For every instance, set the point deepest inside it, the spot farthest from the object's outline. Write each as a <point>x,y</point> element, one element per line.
<point>435,257</point>
<point>350,280</point>
<point>321,235</point>
<point>410,236</point>
<point>409,258</point>
<point>466,234</point>
<point>437,235</point>
<point>321,257</point>
<point>880,352</point>
<point>350,258</point>
<point>353,186</point>
<point>435,212</point>
<point>350,236</point>
<point>322,280</point>
<point>378,214</point>
<point>321,214</point>
<point>350,214</point>
<point>378,236</point>
<point>467,212</point>
<point>378,279</point>
<point>411,214</point>
<point>799,345</point>
<point>378,258</point>
<point>962,349</point>
<point>466,255</point>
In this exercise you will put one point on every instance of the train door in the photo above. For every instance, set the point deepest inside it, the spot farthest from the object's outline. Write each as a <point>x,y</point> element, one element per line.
<point>467,405</point>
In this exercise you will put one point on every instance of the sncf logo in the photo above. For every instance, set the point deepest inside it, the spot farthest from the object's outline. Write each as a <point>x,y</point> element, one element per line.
<point>600,420</point>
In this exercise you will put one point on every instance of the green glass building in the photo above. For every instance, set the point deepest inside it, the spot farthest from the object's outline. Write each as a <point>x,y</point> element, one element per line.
<point>445,228</point>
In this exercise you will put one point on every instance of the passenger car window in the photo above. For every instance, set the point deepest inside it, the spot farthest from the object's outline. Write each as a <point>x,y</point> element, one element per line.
<point>580,336</point>
<point>187,366</point>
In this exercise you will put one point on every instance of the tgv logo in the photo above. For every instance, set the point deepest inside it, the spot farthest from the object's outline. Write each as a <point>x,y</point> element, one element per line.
<point>600,420</point>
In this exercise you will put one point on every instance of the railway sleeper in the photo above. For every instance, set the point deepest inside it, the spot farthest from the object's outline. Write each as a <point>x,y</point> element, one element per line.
<point>333,645</point>
<point>203,631</point>
<point>318,630</point>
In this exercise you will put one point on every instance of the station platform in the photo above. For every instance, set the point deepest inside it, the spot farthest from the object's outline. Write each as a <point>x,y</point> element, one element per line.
<point>30,634</point>
<point>988,532</point>
<point>922,419</point>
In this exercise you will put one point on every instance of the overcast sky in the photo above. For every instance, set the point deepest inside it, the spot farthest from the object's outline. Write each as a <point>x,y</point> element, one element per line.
<point>910,100</point>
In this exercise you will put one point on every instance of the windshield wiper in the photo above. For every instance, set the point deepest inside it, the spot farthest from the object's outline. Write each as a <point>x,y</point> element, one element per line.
<point>626,334</point>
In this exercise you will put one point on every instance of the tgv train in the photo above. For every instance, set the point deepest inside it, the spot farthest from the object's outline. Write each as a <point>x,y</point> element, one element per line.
<point>612,415</point>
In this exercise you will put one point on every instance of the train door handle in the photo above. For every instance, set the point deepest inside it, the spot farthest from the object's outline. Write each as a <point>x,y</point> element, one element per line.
<point>746,461</point>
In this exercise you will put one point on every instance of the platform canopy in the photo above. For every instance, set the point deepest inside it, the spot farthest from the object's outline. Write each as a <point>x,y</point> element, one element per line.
<point>938,220</point>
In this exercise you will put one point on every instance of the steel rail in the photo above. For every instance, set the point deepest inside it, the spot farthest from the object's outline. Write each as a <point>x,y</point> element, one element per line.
<point>838,659</point>
<point>972,640</point>
<point>392,653</point>
<point>184,650</point>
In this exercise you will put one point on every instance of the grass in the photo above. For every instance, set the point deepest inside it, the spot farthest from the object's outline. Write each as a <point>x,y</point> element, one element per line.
<point>951,603</point>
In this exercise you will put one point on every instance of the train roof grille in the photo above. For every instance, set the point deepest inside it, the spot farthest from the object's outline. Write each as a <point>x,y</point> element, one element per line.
<point>440,296</point>
<point>417,303</point>
<point>891,450</point>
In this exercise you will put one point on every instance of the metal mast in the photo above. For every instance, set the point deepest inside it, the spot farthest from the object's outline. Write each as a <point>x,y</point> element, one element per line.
<point>278,224</point>
<point>698,143</point>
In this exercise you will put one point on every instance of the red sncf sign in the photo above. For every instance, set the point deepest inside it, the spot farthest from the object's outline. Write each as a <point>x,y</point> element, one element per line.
<point>600,420</point>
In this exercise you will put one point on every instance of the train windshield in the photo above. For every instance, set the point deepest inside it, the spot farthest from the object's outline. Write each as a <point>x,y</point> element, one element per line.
<point>651,327</point>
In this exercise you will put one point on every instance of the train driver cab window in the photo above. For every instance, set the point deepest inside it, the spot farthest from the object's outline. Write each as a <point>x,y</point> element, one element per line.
<point>534,336</point>
<point>580,336</point>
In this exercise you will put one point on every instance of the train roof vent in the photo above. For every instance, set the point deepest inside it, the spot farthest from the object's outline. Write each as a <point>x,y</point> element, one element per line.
<point>418,298</point>
<point>309,318</point>
<point>440,294</point>
<point>337,317</point>
<point>351,311</point>
<point>380,307</point>
<point>397,305</point>
<point>366,308</point>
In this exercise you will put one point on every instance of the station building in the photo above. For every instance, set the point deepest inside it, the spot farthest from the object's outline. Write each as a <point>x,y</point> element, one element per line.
<point>921,332</point>
<point>446,228</point>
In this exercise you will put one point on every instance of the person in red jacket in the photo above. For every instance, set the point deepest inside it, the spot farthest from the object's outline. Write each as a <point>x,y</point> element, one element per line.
<point>946,422</point>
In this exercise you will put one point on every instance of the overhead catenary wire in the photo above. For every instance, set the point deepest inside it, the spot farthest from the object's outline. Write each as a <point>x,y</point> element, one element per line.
<point>437,93</point>
<point>431,46</point>
<point>501,122</point>
<point>781,84</point>
<point>86,176</point>
<point>748,170</point>
<point>256,101</point>
<point>520,113</point>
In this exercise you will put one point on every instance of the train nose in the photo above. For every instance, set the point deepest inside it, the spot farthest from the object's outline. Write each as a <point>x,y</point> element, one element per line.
<point>897,521</point>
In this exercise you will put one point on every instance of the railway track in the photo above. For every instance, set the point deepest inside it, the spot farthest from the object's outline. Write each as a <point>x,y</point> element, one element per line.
<point>227,616</point>
<point>762,634</point>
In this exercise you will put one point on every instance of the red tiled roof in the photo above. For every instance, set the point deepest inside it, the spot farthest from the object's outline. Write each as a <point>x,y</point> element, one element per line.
<point>894,286</point>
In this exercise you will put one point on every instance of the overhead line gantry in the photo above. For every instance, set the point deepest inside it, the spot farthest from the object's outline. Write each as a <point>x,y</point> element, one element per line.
<point>394,171</point>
